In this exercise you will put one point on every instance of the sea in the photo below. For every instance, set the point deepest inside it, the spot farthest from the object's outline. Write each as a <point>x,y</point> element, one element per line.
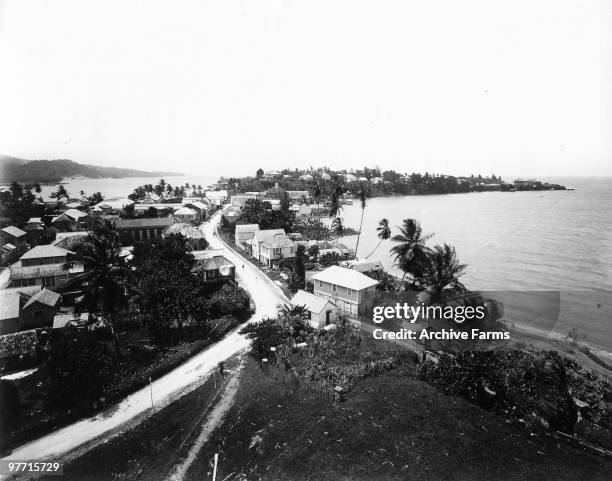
<point>551,242</point>
<point>517,244</point>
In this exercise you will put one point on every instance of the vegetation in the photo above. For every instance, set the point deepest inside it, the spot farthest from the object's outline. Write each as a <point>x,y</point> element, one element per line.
<point>53,171</point>
<point>104,279</point>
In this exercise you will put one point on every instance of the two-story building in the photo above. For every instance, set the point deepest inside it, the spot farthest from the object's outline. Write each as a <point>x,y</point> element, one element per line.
<point>276,249</point>
<point>44,265</point>
<point>270,245</point>
<point>343,287</point>
<point>70,220</point>
<point>13,243</point>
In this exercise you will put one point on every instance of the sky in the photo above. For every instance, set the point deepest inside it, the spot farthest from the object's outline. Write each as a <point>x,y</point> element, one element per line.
<point>224,87</point>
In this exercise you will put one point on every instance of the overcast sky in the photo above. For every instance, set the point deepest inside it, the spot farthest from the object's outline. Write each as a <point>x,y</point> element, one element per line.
<point>512,88</point>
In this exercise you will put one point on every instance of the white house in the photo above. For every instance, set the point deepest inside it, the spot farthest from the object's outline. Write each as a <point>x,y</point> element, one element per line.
<point>186,214</point>
<point>325,176</point>
<point>344,287</point>
<point>349,178</point>
<point>321,312</point>
<point>262,236</point>
<point>306,177</point>
<point>244,233</point>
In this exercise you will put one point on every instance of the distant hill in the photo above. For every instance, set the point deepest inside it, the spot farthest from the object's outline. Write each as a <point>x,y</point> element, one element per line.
<point>52,171</point>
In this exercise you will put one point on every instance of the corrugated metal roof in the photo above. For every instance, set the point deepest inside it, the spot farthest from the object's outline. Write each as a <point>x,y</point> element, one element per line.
<point>14,231</point>
<point>46,250</point>
<point>344,277</point>
<point>313,303</point>
<point>45,296</point>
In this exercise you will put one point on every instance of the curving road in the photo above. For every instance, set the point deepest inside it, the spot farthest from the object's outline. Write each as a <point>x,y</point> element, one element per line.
<point>77,438</point>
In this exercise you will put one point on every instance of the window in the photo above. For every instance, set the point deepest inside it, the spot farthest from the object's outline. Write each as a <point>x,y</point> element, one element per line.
<point>48,281</point>
<point>334,287</point>
<point>350,292</point>
<point>320,283</point>
<point>347,307</point>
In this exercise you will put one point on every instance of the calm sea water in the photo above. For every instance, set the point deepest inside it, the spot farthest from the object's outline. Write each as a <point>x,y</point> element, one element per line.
<point>522,241</point>
<point>112,188</point>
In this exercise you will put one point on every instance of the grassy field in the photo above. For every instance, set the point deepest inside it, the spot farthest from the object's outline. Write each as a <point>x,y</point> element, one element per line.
<point>391,426</point>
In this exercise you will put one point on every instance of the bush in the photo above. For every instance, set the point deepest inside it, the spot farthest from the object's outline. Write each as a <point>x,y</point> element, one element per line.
<point>79,369</point>
<point>522,384</point>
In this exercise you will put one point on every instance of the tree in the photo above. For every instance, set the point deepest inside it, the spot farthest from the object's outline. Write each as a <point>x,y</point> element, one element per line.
<point>60,193</point>
<point>259,174</point>
<point>105,275</point>
<point>362,200</point>
<point>335,207</point>
<point>95,198</point>
<point>299,270</point>
<point>79,369</point>
<point>337,228</point>
<point>410,252</point>
<point>442,271</point>
<point>384,233</point>
<point>313,252</point>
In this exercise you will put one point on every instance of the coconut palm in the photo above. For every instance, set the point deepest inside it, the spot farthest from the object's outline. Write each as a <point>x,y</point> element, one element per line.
<point>442,271</point>
<point>105,273</point>
<point>335,207</point>
<point>362,199</point>
<point>337,227</point>
<point>410,252</point>
<point>384,233</point>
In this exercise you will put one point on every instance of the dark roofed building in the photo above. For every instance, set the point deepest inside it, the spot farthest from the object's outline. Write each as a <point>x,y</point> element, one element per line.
<point>212,266</point>
<point>143,229</point>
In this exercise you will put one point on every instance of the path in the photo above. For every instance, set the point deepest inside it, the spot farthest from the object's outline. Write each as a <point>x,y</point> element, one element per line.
<point>77,438</point>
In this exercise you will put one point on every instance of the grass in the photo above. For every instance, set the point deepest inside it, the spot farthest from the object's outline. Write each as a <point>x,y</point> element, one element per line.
<point>391,426</point>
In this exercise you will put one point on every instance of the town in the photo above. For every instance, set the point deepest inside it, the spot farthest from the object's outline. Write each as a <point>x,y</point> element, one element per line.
<point>103,297</point>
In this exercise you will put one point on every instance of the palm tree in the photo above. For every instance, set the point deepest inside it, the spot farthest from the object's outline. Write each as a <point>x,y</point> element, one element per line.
<point>337,228</point>
<point>384,232</point>
<point>105,273</point>
<point>442,272</point>
<point>316,194</point>
<point>289,310</point>
<point>335,207</point>
<point>362,199</point>
<point>410,252</point>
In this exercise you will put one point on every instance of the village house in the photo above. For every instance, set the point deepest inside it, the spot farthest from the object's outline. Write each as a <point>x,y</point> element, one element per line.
<point>202,207</point>
<point>275,193</point>
<point>244,233</point>
<point>44,265</point>
<point>299,196</point>
<point>13,243</point>
<point>262,236</point>
<point>217,197</point>
<point>276,249</point>
<point>325,176</point>
<point>142,229</point>
<point>350,178</point>
<point>194,236</point>
<point>160,210</point>
<point>11,302</point>
<point>112,206</point>
<point>34,224</point>
<point>271,174</point>
<point>40,310</point>
<point>306,177</point>
<point>343,287</point>
<point>363,265</point>
<point>320,311</point>
<point>186,214</point>
<point>70,220</point>
<point>212,266</point>
<point>241,199</point>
